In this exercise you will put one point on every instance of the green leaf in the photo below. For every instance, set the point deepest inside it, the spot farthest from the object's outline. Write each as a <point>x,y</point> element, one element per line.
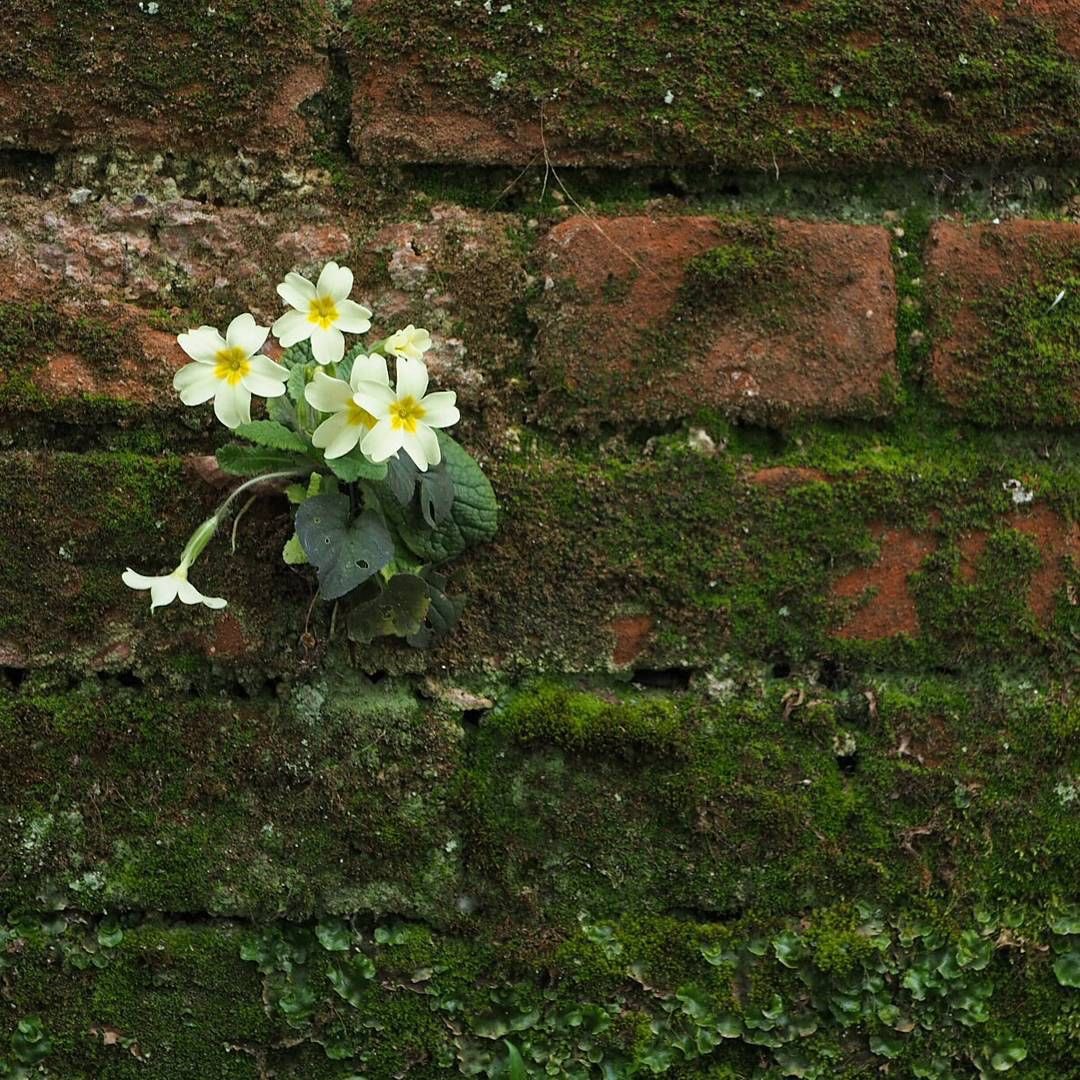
<point>297,380</point>
<point>885,1046</point>
<point>293,552</point>
<point>346,551</point>
<point>1007,1054</point>
<point>401,478</point>
<point>243,460</point>
<point>788,948</point>
<point>350,979</point>
<point>282,410</point>
<point>515,1064</point>
<point>333,935</point>
<point>436,495</point>
<point>398,609</point>
<point>110,933</point>
<point>1067,969</point>
<point>272,434</point>
<point>354,466</point>
<point>30,1042</point>
<point>442,613</point>
<point>474,515</point>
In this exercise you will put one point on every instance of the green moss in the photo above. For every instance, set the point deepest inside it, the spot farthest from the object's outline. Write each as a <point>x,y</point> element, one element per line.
<point>824,85</point>
<point>166,83</point>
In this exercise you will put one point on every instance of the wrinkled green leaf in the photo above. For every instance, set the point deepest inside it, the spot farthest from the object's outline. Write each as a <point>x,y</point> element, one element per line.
<point>436,496</point>
<point>345,550</point>
<point>473,516</point>
<point>333,935</point>
<point>399,608</point>
<point>282,410</point>
<point>30,1042</point>
<point>243,460</point>
<point>271,434</point>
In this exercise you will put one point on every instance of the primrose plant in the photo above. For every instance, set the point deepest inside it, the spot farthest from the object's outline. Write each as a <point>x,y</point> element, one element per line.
<point>383,495</point>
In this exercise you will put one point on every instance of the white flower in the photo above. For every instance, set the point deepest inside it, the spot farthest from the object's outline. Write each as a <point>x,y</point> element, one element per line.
<point>349,421</point>
<point>228,369</point>
<point>406,418</point>
<point>164,590</point>
<point>412,342</point>
<point>321,312</point>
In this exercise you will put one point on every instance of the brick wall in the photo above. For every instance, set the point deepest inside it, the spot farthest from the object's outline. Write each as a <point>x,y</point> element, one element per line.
<point>755,750</point>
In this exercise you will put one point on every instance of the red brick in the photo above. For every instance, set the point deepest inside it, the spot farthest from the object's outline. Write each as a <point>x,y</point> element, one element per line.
<point>891,609</point>
<point>621,339</point>
<point>979,277</point>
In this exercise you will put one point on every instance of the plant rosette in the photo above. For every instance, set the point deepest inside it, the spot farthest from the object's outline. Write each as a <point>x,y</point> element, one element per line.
<point>382,495</point>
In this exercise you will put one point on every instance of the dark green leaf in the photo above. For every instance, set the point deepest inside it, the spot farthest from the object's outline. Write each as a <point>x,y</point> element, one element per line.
<point>515,1064</point>
<point>442,612</point>
<point>398,609</point>
<point>272,434</point>
<point>436,494</point>
<point>473,517</point>
<point>401,478</point>
<point>296,382</point>
<point>252,460</point>
<point>346,551</point>
<point>333,935</point>
<point>350,979</point>
<point>1067,968</point>
<point>354,466</point>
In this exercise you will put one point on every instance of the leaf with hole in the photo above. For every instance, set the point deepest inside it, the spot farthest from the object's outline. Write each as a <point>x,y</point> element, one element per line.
<point>345,550</point>
<point>398,609</point>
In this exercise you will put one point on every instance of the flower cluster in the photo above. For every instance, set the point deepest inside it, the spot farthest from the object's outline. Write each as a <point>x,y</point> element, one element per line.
<point>382,492</point>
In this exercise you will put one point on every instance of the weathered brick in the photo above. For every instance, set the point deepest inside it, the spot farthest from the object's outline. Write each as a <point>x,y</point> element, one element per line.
<point>176,76</point>
<point>756,84</point>
<point>649,318</point>
<point>1006,323</point>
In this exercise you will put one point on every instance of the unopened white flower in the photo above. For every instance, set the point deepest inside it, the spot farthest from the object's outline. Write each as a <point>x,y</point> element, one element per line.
<point>407,416</point>
<point>349,422</point>
<point>412,342</point>
<point>165,589</point>
<point>321,312</point>
<point>228,369</point>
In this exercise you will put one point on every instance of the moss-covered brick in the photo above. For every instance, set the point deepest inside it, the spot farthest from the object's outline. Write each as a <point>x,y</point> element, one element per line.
<point>335,797</point>
<point>652,318</point>
<point>765,83</point>
<point>721,557</point>
<point>163,76</point>
<point>1006,321</point>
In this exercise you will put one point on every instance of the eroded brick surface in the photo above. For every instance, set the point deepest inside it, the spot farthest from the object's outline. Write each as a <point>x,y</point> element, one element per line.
<point>649,318</point>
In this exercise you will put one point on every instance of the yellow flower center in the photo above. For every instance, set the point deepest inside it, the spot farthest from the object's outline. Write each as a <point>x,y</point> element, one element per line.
<point>405,412</point>
<point>359,417</point>
<point>323,312</point>
<point>232,364</point>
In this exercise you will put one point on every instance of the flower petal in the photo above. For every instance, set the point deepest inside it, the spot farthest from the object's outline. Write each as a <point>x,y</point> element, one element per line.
<point>382,441</point>
<point>369,369</point>
<point>353,318</point>
<point>292,327</point>
<point>202,344</point>
<point>244,333</point>
<point>412,378</point>
<point>196,382</point>
<point>440,410</point>
<point>163,591</point>
<point>327,394</point>
<point>335,281</point>
<point>190,595</point>
<point>137,581</point>
<point>375,398</point>
<point>263,365</point>
<point>264,385</point>
<point>429,444</point>
<point>327,346</point>
<point>297,292</point>
<point>337,436</point>
<point>232,405</point>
